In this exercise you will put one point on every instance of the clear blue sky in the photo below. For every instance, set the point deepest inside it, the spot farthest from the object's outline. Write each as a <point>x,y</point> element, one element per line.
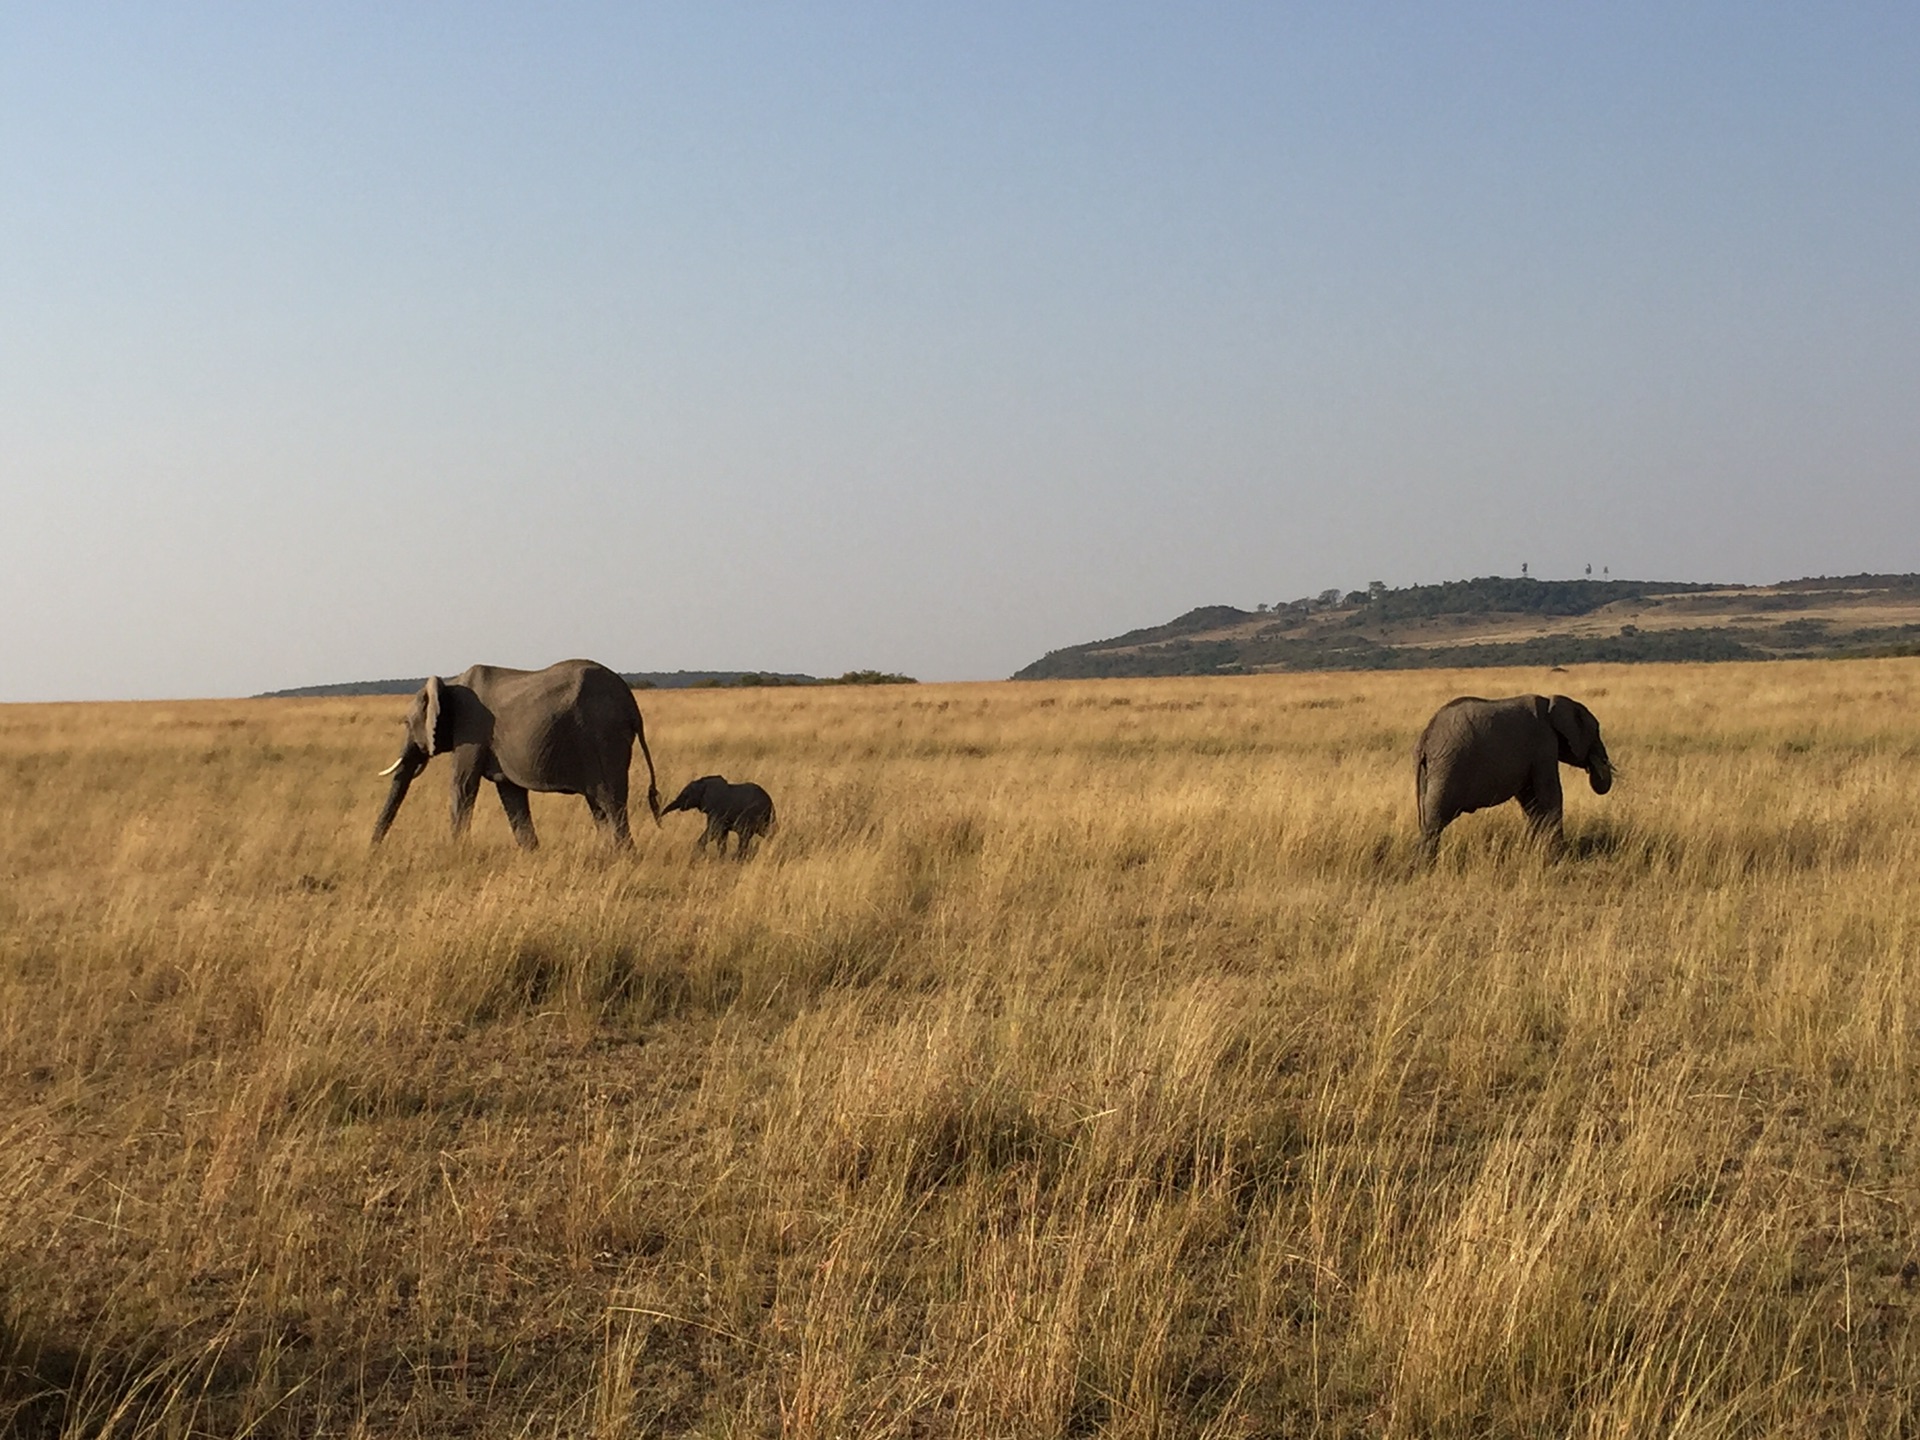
<point>351,341</point>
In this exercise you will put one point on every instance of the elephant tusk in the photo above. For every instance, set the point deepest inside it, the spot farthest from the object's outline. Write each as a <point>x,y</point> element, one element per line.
<point>393,767</point>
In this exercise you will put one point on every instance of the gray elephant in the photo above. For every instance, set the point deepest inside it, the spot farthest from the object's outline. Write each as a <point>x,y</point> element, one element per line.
<point>1476,753</point>
<point>566,730</point>
<point>744,809</point>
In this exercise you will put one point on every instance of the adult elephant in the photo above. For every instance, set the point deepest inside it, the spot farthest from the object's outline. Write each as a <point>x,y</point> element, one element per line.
<point>1477,753</point>
<point>566,730</point>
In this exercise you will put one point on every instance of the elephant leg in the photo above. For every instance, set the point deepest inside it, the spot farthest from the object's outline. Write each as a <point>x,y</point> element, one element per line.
<point>1433,819</point>
<point>614,797</point>
<point>714,831</point>
<point>466,787</point>
<point>1541,799</point>
<point>741,839</point>
<point>513,800</point>
<point>1433,815</point>
<point>613,823</point>
<point>609,821</point>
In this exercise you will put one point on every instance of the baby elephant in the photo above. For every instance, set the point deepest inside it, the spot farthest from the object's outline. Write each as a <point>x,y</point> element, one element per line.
<point>1479,753</point>
<point>746,810</point>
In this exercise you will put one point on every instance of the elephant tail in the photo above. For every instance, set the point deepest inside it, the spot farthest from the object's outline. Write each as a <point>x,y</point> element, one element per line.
<point>653,785</point>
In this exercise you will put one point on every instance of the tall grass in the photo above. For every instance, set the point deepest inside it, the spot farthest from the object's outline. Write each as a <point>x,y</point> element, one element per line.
<point>1077,1059</point>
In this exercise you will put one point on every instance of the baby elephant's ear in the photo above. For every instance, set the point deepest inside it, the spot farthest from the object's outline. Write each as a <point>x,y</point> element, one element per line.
<point>1573,723</point>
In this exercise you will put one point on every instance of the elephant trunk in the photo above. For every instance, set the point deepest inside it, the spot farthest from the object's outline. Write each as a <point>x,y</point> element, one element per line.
<point>404,770</point>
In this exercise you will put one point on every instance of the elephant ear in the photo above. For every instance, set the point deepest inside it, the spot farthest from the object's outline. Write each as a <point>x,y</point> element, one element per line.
<point>1575,726</point>
<point>439,716</point>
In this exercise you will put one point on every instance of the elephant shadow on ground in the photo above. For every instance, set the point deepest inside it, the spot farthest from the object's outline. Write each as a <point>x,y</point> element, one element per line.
<point>1379,853</point>
<point>1631,847</point>
<point>1601,841</point>
<point>1721,854</point>
<point>51,1387</point>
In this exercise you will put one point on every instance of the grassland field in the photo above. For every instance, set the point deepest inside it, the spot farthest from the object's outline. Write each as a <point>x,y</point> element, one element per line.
<point>1078,1059</point>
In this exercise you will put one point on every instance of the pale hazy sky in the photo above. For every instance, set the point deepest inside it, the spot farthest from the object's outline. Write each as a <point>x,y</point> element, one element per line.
<point>346,341</point>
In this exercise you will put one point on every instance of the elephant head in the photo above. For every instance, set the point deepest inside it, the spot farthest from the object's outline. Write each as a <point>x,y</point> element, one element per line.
<point>444,716</point>
<point>694,795</point>
<point>1578,735</point>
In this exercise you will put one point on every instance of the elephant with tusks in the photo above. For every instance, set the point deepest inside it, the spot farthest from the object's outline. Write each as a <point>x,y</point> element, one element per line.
<point>565,730</point>
<point>1478,753</point>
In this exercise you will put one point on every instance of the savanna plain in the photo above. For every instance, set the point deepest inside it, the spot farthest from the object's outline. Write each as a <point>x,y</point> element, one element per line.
<point>1079,1058</point>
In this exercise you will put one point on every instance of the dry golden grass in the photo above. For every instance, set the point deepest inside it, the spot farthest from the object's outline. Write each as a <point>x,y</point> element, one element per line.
<point>1078,1059</point>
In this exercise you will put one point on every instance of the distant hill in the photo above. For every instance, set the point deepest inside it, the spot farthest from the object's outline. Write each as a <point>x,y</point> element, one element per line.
<point>640,680</point>
<point>350,687</point>
<point>1500,621</point>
